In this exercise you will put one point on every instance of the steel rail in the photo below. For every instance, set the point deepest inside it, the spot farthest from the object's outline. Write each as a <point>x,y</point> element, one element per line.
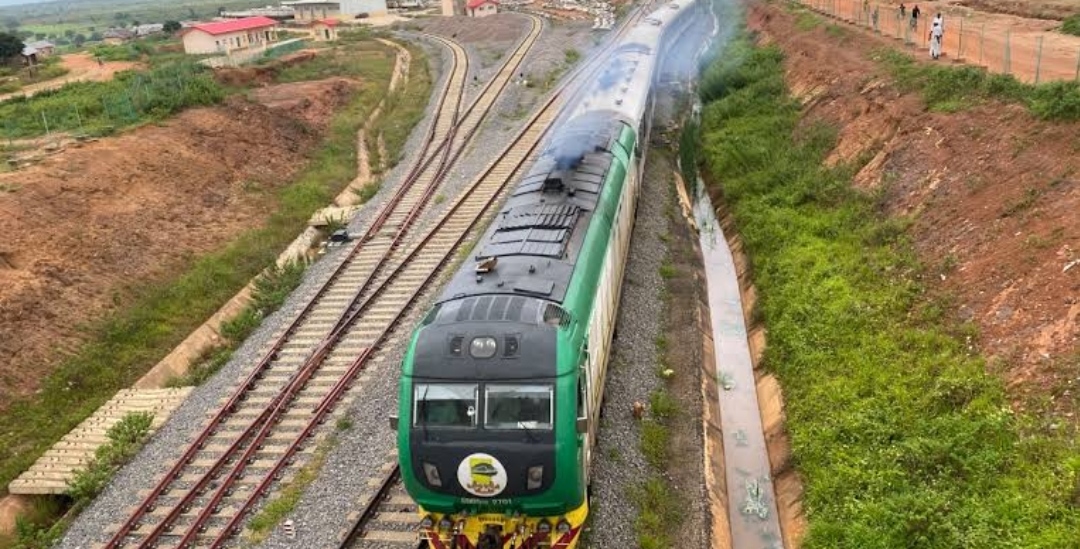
<point>257,373</point>
<point>369,510</point>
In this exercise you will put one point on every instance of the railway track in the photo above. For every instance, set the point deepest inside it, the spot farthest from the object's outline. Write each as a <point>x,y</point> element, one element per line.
<point>388,517</point>
<point>265,425</point>
<point>259,429</point>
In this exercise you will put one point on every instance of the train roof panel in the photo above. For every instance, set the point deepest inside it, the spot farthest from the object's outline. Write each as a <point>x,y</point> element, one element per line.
<point>532,246</point>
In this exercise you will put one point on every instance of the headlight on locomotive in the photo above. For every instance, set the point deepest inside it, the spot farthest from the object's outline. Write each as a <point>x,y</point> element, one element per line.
<point>535,477</point>
<point>562,527</point>
<point>432,474</point>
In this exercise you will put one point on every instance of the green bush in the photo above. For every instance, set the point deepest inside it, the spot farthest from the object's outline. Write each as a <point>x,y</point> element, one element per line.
<point>900,435</point>
<point>125,439</point>
<point>1071,25</point>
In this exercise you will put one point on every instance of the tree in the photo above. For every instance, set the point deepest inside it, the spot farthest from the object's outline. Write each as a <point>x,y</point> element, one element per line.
<point>79,39</point>
<point>11,23</point>
<point>40,36</point>
<point>69,33</point>
<point>171,26</point>
<point>10,46</point>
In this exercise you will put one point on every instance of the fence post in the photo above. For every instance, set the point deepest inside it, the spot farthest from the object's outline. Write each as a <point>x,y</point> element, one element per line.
<point>982,43</point>
<point>1007,68</point>
<point>78,117</point>
<point>1038,60</point>
<point>46,121</point>
<point>1077,77</point>
<point>960,48</point>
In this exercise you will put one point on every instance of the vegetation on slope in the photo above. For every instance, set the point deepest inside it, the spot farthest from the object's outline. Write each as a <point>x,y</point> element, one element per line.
<point>901,437</point>
<point>127,344</point>
<point>101,107</point>
<point>951,88</point>
<point>1071,25</point>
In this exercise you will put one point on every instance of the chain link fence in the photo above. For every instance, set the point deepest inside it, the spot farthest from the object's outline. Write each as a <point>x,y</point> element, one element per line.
<point>1031,56</point>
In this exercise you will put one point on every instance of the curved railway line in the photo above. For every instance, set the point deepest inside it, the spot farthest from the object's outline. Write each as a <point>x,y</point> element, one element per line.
<point>256,434</point>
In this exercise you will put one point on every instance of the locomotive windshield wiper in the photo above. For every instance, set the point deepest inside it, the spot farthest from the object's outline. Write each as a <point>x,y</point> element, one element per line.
<point>528,432</point>
<point>423,420</point>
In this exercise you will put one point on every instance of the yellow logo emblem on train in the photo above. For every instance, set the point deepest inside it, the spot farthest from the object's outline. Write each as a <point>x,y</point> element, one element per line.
<point>482,475</point>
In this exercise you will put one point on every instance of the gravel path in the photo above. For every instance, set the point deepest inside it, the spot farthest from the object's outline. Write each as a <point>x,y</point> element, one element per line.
<point>618,464</point>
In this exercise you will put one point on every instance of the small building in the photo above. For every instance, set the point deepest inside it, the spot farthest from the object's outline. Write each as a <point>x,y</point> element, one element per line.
<point>44,47</point>
<point>147,29</point>
<point>29,55</point>
<point>229,36</point>
<point>481,8</point>
<point>315,10</point>
<point>325,30</point>
<point>116,37</point>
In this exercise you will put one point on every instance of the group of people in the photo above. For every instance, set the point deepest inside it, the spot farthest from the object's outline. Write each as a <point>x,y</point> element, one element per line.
<point>937,28</point>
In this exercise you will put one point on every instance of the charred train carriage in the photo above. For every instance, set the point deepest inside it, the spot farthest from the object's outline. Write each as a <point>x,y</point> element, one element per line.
<point>502,381</point>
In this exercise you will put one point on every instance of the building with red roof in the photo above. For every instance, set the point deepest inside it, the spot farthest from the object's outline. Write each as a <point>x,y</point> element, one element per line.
<point>481,8</point>
<point>228,36</point>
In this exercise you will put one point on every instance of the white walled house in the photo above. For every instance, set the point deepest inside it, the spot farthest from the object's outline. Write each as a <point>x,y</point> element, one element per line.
<point>481,8</point>
<point>229,36</point>
<point>313,10</point>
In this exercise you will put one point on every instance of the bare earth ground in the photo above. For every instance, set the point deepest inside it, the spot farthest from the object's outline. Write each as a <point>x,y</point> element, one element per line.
<point>993,195</point>
<point>82,67</point>
<point>1043,9</point>
<point>89,223</point>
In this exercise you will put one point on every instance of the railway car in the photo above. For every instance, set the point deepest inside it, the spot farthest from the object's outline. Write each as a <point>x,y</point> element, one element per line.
<point>502,381</point>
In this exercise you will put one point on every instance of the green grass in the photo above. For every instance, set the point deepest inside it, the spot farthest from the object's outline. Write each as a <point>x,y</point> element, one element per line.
<point>1071,25</point>
<point>404,110</point>
<point>285,501</point>
<point>902,438</point>
<point>953,88</point>
<point>132,97</point>
<point>272,287</point>
<point>660,513</point>
<point>162,313</point>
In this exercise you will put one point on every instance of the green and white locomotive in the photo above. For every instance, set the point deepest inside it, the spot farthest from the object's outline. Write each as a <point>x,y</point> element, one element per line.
<point>502,381</point>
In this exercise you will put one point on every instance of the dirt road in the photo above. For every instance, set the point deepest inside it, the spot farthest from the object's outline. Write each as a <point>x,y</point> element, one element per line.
<point>81,67</point>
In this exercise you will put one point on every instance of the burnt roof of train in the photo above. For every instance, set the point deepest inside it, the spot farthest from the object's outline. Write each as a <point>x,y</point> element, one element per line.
<point>535,239</point>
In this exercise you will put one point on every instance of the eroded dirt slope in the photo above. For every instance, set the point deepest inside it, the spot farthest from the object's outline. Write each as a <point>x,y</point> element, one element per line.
<point>993,196</point>
<point>91,222</point>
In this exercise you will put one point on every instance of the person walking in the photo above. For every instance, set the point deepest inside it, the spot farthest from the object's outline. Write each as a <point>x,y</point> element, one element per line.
<point>937,32</point>
<point>915,18</point>
<point>903,11</point>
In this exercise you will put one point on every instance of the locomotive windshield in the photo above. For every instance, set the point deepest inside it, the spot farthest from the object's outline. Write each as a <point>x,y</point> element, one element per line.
<point>518,406</point>
<point>445,405</point>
